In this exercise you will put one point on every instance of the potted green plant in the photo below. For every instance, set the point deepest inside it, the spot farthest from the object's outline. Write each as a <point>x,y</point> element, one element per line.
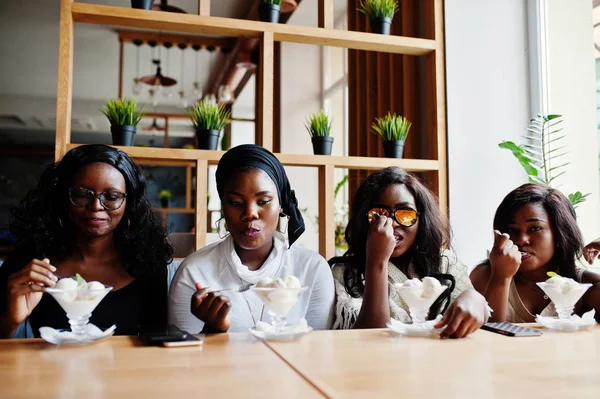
<point>539,156</point>
<point>123,115</point>
<point>142,4</point>
<point>380,14</point>
<point>319,128</point>
<point>269,10</point>
<point>393,130</point>
<point>209,119</point>
<point>165,197</point>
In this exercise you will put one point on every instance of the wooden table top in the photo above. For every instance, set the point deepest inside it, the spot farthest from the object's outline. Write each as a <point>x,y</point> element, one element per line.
<point>356,363</point>
<point>234,365</point>
<point>333,364</point>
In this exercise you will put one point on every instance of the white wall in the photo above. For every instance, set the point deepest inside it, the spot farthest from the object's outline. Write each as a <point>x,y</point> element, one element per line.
<point>487,89</point>
<point>572,93</point>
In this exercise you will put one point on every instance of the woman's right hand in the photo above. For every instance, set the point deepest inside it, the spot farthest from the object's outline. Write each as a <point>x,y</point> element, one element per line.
<point>212,308</point>
<point>25,289</point>
<point>380,241</point>
<point>505,257</point>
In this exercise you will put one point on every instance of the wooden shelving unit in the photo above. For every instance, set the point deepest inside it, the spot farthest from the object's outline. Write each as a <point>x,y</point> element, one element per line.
<point>324,35</point>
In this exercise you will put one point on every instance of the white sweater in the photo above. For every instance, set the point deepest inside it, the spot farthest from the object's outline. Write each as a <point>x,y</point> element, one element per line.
<point>218,266</point>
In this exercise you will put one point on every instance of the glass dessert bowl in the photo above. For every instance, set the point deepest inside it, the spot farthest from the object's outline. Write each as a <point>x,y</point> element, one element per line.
<point>419,296</point>
<point>279,297</point>
<point>565,293</point>
<point>78,299</point>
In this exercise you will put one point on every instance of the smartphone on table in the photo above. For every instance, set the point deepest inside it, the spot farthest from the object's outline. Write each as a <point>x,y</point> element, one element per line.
<point>511,330</point>
<point>169,336</point>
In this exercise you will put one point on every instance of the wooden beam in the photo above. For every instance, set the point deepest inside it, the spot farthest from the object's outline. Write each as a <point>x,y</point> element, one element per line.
<point>129,36</point>
<point>440,102</point>
<point>204,7</point>
<point>326,17</point>
<point>326,212</point>
<point>186,23</point>
<point>64,92</point>
<point>153,154</point>
<point>265,127</point>
<point>201,205</point>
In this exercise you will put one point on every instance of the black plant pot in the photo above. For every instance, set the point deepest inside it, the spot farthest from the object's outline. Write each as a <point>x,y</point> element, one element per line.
<point>122,135</point>
<point>393,149</point>
<point>164,202</point>
<point>143,4</point>
<point>381,25</point>
<point>322,145</point>
<point>269,13</point>
<point>207,139</point>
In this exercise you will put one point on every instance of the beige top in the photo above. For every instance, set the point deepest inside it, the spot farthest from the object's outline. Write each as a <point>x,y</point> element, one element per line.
<point>347,307</point>
<point>516,312</point>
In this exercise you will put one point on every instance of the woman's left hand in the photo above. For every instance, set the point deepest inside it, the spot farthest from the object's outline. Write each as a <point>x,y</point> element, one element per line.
<point>464,316</point>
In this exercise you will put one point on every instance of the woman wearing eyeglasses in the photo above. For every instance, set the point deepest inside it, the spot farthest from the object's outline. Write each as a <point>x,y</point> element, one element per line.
<point>395,232</point>
<point>88,215</point>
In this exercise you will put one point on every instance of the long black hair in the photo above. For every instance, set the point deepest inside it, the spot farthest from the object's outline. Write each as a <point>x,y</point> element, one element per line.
<point>563,220</point>
<point>41,217</point>
<point>433,232</point>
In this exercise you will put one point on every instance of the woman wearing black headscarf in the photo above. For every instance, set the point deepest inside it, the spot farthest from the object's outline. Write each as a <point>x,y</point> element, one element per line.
<point>255,195</point>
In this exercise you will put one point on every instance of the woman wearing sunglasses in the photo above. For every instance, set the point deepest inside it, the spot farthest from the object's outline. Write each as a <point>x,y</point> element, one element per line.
<point>395,232</point>
<point>88,215</point>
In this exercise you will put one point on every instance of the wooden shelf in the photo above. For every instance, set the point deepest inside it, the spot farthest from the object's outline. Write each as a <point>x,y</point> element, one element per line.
<point>175,210</point>
<point>148,156</point>
<point>203,25</point>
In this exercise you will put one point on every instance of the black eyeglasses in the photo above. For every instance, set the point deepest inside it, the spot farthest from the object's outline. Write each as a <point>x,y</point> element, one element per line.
<point>404,217</point>
<point>83,197</point>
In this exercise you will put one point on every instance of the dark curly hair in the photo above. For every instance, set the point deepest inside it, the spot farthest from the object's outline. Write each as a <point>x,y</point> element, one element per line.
<point>563,220</point>
<point>433,233</point>
<point>41,217</point>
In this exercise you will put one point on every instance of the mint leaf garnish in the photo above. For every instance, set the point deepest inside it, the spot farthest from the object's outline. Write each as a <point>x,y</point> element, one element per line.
<point>80,280</point>
<point>552,274</point>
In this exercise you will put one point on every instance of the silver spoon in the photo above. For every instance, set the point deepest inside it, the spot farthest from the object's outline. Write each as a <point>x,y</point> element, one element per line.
<point>241,288</point>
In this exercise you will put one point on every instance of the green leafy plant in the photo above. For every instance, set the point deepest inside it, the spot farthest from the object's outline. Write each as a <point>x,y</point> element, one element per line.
<point>339,186</point>
<point>319,124</point>
<point>540,155</point>
<point>165,195</point>
<point>392,127</point>
<point>123,112</point>
<point>275,2</point>
<point>209,116</point>
<point>378,8</point>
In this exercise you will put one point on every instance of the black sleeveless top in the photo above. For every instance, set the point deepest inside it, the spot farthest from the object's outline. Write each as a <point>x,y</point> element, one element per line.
<point>140,305</point>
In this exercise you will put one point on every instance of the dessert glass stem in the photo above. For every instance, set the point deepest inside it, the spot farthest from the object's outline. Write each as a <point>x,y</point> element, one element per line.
<point>278,322</point>
<point>564,312</point>
<point>78,324</point>
<point>418,316</point>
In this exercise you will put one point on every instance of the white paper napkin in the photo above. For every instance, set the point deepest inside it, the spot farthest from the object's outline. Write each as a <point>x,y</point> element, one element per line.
<point>92,332</point>
<point>588,319</point>
<point>428,325</point>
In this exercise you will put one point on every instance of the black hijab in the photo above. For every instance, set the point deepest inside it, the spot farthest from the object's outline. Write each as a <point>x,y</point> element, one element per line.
<point>255,156</point>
